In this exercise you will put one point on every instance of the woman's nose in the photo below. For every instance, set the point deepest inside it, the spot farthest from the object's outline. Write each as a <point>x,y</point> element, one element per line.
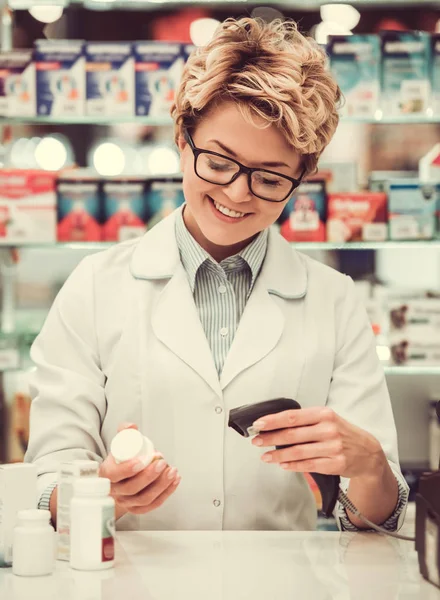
<point>238,191</point>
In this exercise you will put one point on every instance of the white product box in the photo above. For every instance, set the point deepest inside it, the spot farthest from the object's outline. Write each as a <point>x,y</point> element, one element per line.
<point>413,352</point>
<point>67,473</point>
<point>159,68</point>
<point>18,491</point>
<point>60,73</point>
<point>17,84</point>
<point>109,79</point>
<point>414,317</point>
<point>27,207</point>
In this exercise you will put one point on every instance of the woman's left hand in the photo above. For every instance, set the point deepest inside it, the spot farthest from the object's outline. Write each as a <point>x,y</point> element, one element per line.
<point>320,442</point>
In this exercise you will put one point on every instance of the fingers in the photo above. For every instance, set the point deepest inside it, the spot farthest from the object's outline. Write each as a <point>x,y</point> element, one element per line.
<point>123,426</point>
<point>139,510</point>
<point>154,494</point>
<point>326,466</point>
<point>138,482</point>
<point>328,449</point>
<point>295,418</point>
<point>297,435</point>
<point>119,472</point>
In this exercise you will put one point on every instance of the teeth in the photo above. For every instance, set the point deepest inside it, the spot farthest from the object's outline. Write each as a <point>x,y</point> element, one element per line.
<point>227,212</point>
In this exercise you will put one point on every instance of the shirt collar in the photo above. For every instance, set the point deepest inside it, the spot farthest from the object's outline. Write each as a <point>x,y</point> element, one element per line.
<point>193,256</point>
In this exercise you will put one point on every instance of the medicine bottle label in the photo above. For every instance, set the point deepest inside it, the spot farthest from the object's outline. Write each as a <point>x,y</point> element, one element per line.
<point>108,534</point>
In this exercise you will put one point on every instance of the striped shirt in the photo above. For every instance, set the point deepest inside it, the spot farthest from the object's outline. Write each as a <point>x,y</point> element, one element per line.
<point>220,290</point>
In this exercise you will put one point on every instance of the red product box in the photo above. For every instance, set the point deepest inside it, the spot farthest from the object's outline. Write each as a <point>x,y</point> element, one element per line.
<point>27,206</point>
<point>357,216</point>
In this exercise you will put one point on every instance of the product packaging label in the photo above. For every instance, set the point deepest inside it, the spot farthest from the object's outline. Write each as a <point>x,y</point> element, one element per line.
<point>108,534</point>
<point>357,216</point>
<point>303,218</point>
<point>79,211</point>
<point>412,209</point>
<point>406,84</point>
<point>163,196</point>
<point>110,79</point>
<point>125,209</point>
<point>435,73</point>
<point>158,67</point>
<point>17,84</point>
<point>60,71</point>
<point>27,206</point>
<point>355,62</point>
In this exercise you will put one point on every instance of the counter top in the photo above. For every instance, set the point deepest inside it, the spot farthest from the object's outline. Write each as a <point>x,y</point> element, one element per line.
<point>238,565</point>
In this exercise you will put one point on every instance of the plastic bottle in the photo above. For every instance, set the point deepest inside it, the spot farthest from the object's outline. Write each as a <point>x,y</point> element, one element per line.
<point>130,443</point>
<point>92,525</point>
<point>33,544</point>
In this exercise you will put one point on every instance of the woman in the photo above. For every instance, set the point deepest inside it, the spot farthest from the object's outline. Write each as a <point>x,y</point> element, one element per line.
<point>210,310</point>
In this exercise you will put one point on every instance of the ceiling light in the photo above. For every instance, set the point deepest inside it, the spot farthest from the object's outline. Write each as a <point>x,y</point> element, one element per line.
<point>46,14</point>
<point>345,15</point>
<point>201,31</point>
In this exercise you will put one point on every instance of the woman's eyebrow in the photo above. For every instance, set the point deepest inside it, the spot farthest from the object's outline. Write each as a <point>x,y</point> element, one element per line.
<point>232,153</point>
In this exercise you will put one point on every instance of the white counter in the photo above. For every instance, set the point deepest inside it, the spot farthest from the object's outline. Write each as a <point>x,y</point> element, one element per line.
<point>241,565</point>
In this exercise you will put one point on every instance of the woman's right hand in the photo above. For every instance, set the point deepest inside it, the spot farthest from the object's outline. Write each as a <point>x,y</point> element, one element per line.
<point>138,489</point>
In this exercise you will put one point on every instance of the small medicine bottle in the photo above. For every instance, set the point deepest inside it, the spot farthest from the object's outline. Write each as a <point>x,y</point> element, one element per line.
<point>33,550</point>
<point>92,525</point>
<point>130,443</point>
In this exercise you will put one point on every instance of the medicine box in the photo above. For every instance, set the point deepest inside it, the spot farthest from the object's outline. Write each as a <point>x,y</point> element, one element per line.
<point>17,84</point>
<point>60,74</point>
<point>304,217</point>
<point>411,209</point>
<point>79,211</point>
<point>158,68</point>
<point>109,79</point>
<point>357,216</point>
<point>125,209</point>
<point>67,473</point>
<point>355,62</point>
<point>18,491</point>
<point>413,353</point>
<point>27,206</point>
<point>405,75</point>
<point>414,317</point>
<point>435,73</point>
<point>163,196</point>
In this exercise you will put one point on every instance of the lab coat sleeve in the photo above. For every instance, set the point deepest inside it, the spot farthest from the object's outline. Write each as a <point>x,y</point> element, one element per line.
<point>359,393</point>
<point>67,387</point>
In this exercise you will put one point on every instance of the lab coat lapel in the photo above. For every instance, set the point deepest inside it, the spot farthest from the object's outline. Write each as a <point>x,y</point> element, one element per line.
<point>175,320</point>
<point>176,323</point>
<point>283,276</point>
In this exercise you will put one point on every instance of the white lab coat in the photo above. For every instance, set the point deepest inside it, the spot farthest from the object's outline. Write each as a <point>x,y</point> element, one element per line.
<point>123,342</point>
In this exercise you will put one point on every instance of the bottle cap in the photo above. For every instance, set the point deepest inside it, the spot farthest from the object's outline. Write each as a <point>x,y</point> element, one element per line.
<point>128,444</point>
<point>34,515</point>
<point>91,486</point>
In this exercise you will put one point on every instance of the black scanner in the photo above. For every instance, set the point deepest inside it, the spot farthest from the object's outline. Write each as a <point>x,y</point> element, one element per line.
<point>242,418</point>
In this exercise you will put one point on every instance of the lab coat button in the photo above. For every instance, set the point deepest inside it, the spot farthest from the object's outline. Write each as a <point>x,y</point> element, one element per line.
<point>216,503</point>
<point>222,289</point>
<point>224,331</point>
<point>218,410</point>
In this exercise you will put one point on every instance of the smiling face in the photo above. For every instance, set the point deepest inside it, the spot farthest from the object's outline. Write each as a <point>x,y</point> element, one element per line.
<point>225,130</point>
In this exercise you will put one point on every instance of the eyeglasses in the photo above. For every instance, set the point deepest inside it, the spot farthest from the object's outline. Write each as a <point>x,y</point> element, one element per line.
<point>222,170</point>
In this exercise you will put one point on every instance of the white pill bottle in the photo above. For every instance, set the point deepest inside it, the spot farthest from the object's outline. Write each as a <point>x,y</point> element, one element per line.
<point>33,544</point>
<point>92,525</point>
<point>130,443</point>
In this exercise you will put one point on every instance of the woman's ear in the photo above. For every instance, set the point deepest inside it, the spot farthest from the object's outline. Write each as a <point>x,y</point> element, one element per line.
<point>181,142</point>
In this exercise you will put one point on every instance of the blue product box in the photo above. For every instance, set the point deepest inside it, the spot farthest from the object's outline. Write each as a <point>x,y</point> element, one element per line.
<point>355,62</point>
<point>187,50</point>
<point>158,68</point>
<point>79,209</point>
<point>109,79</point>
<point>405,77</point>
<point>163,196</point>
<point>17,84</point>
<point>304,216</point>
<point>125,209</point>
<point>60,74</point>
<point>411,209</point>
<point>435,73</point>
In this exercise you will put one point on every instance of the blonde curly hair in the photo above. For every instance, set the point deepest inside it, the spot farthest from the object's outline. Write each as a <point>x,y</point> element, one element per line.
<point>271,71</point>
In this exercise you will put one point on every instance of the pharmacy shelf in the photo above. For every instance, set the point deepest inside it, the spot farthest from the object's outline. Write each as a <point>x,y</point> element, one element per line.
<point>396,245</point>
<point>394,370</point>
<point>87,120</point>
<point>167,121</point>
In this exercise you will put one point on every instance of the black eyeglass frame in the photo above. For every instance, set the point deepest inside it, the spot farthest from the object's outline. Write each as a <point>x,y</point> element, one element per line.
<point>241,169</point>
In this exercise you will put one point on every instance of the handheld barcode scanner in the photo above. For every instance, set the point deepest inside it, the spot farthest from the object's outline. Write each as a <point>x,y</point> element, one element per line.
<point>241,420</point>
